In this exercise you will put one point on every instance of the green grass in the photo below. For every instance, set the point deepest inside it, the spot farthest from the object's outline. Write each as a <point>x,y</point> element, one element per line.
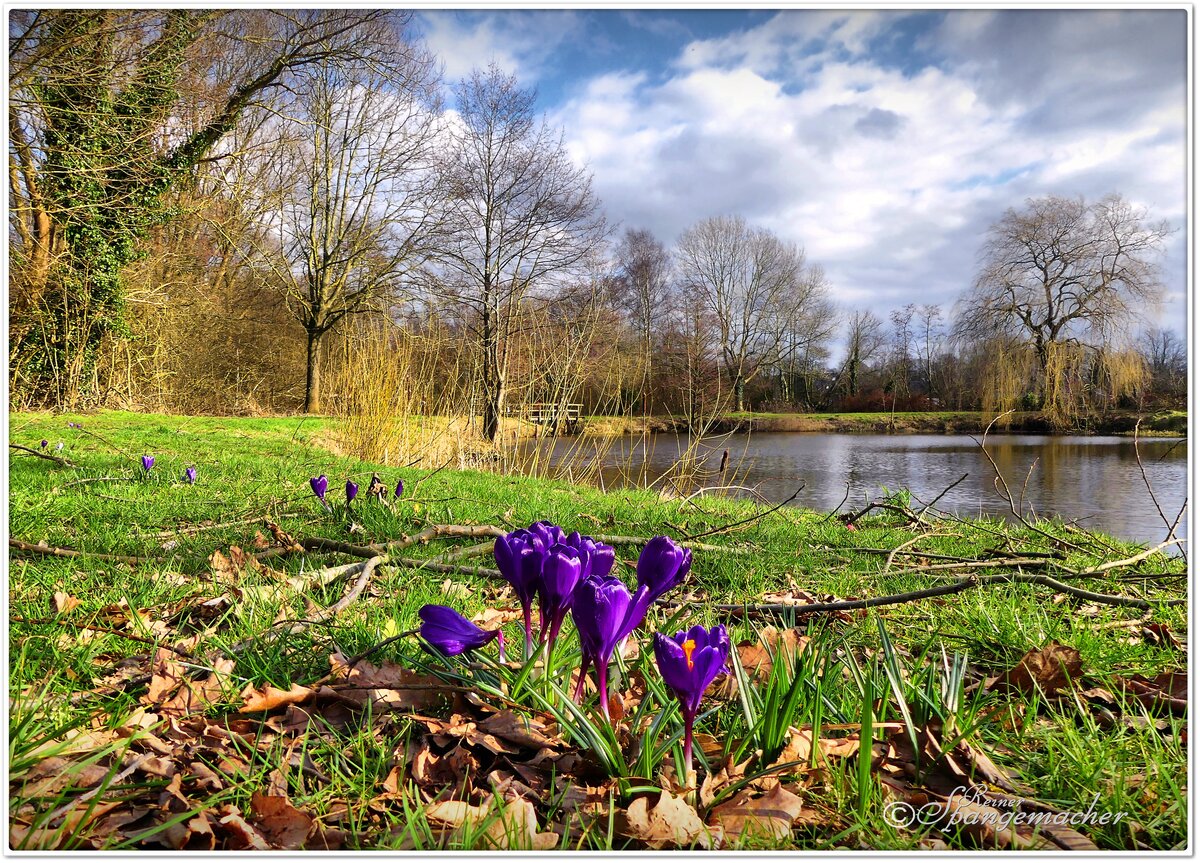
<point>893,658</point>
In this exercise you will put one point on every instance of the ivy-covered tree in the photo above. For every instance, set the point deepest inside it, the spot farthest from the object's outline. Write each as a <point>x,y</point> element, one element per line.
<point>109,110</point>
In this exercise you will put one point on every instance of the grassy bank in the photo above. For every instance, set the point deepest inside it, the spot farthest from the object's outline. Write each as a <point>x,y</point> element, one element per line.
<point>141,714</point>
<point>1165,423</point>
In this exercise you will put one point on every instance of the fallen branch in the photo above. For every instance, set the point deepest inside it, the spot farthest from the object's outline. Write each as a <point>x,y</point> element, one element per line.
<point>744,521</point>
<point>364,576</point>
<point>54,458</point>
<point>958,586</point>
<point>319,543</point>
<point>58,621</point>
<point>694,546</point>
<point>54,551</point>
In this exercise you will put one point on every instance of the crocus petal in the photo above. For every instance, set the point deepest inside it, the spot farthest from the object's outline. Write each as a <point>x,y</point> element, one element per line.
<point>662,564</point>
<point>320,485</point>
<point>672,664</point>
<point>450,632</point>
<point>351,490</point>
<point>147,462</point>
<point>399,487</point>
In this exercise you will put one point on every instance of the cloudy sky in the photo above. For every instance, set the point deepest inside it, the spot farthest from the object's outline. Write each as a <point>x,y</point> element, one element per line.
<point>884,142</point>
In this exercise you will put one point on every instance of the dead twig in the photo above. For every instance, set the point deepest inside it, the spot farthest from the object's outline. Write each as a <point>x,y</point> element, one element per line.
<point>54,551</point>
<point>999,482</point>
<point>59,460</point>
<point>58,621</point>
<point>929,505</point>
<point>900,548</point>
<point>744,521</point>
<point>1150,488</point>
<point>957,586</point>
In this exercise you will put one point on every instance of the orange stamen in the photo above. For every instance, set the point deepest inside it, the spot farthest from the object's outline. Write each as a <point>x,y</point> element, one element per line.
<point>688,646</point>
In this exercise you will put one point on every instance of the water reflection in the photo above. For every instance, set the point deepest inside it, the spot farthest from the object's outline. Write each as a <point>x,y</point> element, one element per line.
<point>1094,480</point>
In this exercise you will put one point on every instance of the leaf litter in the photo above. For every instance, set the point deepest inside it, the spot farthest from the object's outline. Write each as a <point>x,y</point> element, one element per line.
<point>484,775</point>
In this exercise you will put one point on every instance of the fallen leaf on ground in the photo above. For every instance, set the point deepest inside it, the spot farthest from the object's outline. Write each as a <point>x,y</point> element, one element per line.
<point>670,822</point>
<point>269,698</point>
<point>64,602</point>
<point>1047,669</point>
<point>768,815</point>
<point>280,822</point>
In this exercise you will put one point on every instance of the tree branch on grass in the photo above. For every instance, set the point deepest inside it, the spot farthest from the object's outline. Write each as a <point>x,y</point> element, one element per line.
<point>59,460</point>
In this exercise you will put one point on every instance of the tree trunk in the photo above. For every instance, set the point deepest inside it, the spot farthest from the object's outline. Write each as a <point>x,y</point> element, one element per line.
<point>312,374</point>
<point>493,383</point>
<point>739,392</point>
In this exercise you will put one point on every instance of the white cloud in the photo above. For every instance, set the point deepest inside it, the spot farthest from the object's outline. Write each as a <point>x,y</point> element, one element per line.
<point>888,179</point>
<point>518,42</point>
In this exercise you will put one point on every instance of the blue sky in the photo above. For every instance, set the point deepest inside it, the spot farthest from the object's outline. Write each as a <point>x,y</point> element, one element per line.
<point>883,142</point>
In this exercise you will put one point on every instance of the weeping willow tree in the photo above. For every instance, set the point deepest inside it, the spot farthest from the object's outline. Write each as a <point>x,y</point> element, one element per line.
<point>1063,281</point>
<point>1069,382</point>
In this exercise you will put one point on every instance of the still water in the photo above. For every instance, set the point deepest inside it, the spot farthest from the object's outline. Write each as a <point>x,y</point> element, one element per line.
<point>1092,480</point>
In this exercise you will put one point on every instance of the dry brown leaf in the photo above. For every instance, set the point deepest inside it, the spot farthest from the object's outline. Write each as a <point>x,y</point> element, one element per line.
<point>64,602</point>
<point>196,697</point>
<point>241,835</point>
<point>494,618</point>
<point>269,698</point>
<point>1047,669</point>
<point>767,816</point>
<point>516,829</point>
<point>521,730</point>
<point>800,748</point>
<point>280,822</point>
<point>1167,690</point>
<point>670,822</point>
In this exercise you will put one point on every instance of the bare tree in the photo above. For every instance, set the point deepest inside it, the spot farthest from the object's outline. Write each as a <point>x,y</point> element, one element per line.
<point>642,289</point>
<point>519,215</point>
<point>807,325</point>
<point>1165,356</point>
<point>901,359</point>
<point>864,339</point>
<point>108,111</point>
<point>1061,271</point>
<point>751,281</point>
<point>354,185</point>
<point>929,330</point>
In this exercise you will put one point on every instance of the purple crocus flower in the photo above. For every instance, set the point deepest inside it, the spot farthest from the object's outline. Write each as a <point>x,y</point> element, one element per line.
<point>519,557</point>
<point>688,662</point>
<point>320,485</point>
<point>351,490</point>
<point>147,462</point>
<point>189,475</point>
<point>604,615</point>
<point>561,571</point>
<point>451,633</point>
<point>45,443</point>
<point>549,534</point>
<point>399,487</point>
<point>74,425</point>
<point>596,557</point>
<point>663,564</point>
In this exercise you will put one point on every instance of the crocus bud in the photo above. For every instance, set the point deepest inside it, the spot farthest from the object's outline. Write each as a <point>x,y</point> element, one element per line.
<point>689,662</point>
<point>189,475</point>
<point>451,633</point>
<point>320,485</point>
<point>147,462</point>
<point>45,443</point>
<point>351,490</point>
<point>399,487</point>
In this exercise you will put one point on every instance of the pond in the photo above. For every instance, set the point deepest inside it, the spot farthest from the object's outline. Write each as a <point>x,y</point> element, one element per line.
<point>1094,480</point>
